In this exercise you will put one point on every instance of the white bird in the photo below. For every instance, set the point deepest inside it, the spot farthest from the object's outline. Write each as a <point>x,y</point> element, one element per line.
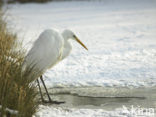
<point>50,48</point>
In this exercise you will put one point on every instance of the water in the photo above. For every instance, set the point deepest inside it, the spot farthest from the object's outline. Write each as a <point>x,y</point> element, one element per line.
<point>105,98</point>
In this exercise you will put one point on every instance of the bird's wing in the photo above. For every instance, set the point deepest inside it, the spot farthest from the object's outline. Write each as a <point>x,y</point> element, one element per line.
<point>46,50</point>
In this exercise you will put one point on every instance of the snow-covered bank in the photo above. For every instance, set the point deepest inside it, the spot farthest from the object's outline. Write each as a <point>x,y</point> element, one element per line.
<point>120,36</point>
<point>46,111</point>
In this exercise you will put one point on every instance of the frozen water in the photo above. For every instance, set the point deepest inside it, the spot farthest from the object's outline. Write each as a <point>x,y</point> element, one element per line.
<point>120,36</point>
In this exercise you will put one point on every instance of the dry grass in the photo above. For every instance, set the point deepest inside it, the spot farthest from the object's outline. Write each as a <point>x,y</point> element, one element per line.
<point>16,91</point>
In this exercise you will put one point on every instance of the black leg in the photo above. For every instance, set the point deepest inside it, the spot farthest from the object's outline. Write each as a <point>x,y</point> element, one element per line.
<point>45,89</point>
<point>50,101</point>
<point>40,90</point>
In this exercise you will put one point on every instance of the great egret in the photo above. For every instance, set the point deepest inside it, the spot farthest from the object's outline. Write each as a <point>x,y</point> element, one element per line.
<point>50,48</point>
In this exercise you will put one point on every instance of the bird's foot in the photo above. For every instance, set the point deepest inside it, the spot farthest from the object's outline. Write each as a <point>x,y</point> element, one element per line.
<point>57,102</point>
<point>53,102</point>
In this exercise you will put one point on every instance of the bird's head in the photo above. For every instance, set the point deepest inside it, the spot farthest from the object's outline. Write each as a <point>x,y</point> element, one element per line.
<point>68,34</point>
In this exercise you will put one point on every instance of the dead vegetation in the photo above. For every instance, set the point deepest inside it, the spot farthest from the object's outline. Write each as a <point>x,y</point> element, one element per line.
<point>16,90</point>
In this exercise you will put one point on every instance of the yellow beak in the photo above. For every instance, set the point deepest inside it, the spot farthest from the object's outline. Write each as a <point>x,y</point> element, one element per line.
<point>80,43</point>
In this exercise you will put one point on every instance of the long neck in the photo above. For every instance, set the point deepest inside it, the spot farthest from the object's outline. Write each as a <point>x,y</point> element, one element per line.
<point>65,36</point>
<point>67,47</point>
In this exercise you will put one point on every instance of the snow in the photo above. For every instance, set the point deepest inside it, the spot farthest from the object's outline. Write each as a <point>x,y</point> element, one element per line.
<point>46,111</point>
<point>120,36</point>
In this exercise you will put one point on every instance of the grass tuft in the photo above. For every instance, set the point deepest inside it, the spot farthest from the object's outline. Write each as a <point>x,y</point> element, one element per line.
<point>16,90</point>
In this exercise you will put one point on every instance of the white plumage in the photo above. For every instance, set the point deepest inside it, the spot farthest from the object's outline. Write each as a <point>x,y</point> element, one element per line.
<point>50,48</point>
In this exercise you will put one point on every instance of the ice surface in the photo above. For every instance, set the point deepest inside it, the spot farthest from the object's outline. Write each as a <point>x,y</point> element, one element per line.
<point>120,36</point>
